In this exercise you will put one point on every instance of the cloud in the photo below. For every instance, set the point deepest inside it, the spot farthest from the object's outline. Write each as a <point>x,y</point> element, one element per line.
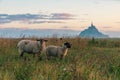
<point>61,16</point>
<point>83,20</point>
<point>65,27</point>
<point>85,14</point>
<point>40,22</point>
<point>117,22</point>
<point>107,27</point>
<point>97,2</point>
<point>35,18</point>
<point>115,0</point>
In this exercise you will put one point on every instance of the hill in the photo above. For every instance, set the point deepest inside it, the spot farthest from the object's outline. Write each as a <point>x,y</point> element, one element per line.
<point>92,31</point>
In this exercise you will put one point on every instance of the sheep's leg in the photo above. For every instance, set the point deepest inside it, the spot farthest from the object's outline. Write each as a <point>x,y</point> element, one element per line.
<point>33,55</point>
<point>21,54</point>
<point>48,57</point>
<point>39,56</point>
<point>61,57</point>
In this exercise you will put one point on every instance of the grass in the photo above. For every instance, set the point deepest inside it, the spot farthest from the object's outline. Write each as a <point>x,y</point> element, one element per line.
<point>88,59</point>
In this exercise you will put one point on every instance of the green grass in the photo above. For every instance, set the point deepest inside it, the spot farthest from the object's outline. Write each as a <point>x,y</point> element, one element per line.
<point>86,60</point>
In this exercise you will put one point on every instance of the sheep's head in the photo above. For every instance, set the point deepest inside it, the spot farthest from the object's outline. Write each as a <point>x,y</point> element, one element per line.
<point>67,44</point>
<point>42,40</point>
<point>42,43</point>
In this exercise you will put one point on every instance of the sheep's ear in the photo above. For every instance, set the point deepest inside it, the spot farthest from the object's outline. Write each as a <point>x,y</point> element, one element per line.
<point>43,40</point>
<point>66,43</point>
<point>38,39</point>
<point>46,40</point>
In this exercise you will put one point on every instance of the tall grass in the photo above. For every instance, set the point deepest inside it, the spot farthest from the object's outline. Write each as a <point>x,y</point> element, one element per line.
<point>88,59</point>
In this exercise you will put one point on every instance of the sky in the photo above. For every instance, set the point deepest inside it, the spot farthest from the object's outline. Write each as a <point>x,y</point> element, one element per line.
<point>60,14</point>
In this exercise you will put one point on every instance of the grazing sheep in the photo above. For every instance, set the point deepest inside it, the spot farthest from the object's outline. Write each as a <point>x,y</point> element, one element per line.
<point>57,51</point>
<point>31,46</point>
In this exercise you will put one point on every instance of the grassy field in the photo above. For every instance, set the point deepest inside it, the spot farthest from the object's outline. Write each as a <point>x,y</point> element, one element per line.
<point>88,59</point>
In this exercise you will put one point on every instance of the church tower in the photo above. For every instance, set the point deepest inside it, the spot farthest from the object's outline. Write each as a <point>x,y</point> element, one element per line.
<point>92,24</point>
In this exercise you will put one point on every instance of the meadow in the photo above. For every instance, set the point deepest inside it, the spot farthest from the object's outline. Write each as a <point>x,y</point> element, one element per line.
<point>88,59</point>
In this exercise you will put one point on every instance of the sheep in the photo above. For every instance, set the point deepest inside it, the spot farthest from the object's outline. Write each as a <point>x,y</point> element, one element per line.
<point>31,47</point>
<point>57,51</point>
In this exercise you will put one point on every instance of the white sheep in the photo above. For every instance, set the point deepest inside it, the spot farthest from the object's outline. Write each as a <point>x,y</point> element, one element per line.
<point>57,51</point>
<point>31,47</point>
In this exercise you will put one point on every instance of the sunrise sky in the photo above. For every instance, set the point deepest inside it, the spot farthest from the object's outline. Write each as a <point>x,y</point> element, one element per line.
<point>60,14</point>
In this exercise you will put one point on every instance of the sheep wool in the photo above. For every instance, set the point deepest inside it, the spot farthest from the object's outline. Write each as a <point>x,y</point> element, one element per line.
<point>57,51</point>
<point>31,46</point>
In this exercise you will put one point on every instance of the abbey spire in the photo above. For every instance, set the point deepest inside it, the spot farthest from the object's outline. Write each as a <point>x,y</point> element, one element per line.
<point>92,24</point>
